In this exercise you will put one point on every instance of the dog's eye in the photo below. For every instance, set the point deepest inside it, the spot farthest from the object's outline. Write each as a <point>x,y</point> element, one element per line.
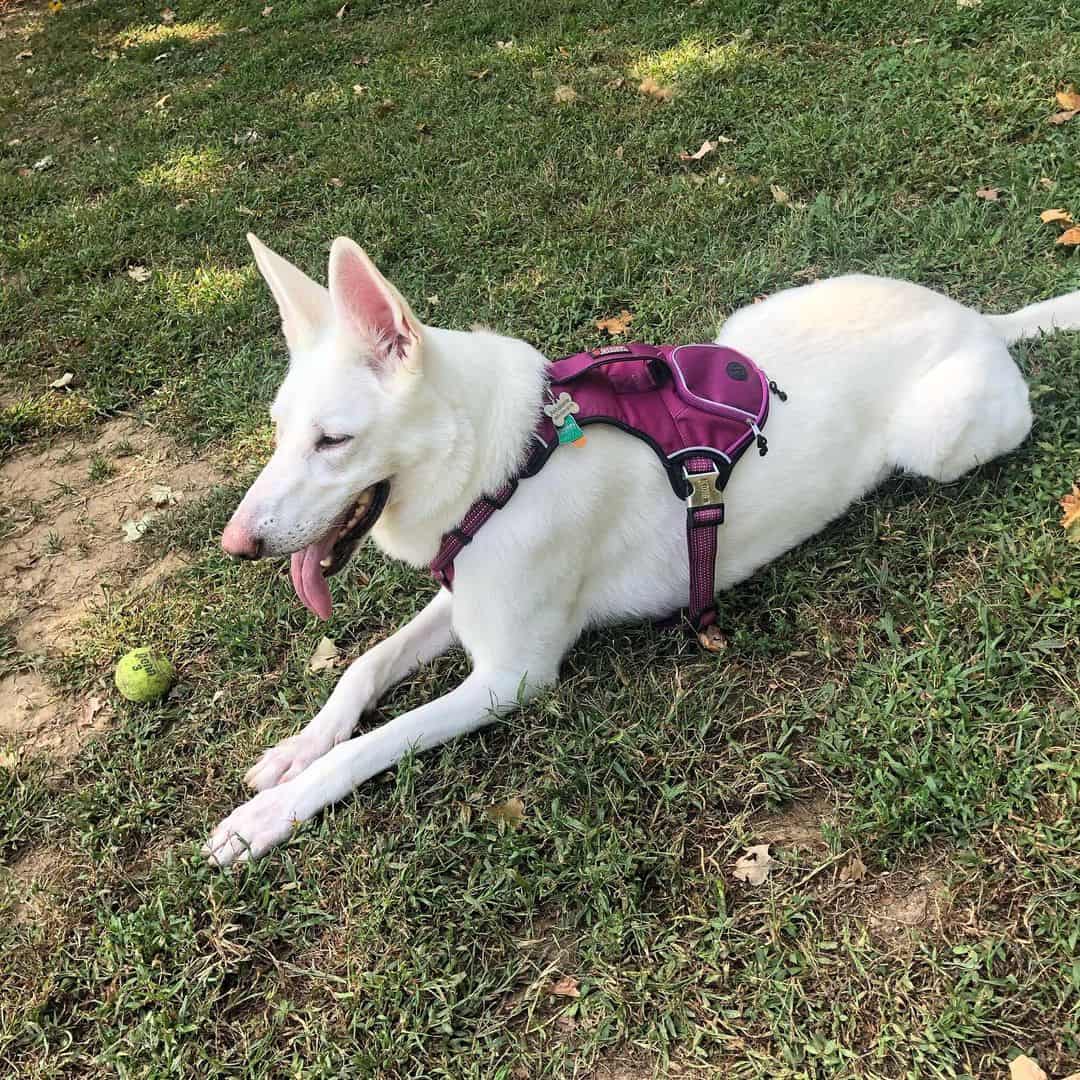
<point>325,442</point>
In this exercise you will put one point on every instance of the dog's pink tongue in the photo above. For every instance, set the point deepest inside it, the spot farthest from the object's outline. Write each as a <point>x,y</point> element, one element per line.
<point>308,579</point>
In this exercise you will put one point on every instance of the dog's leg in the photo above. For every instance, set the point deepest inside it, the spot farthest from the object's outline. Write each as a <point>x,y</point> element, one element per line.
<point>369,677</point>
<point>965,411</point>
<point>268,818</point>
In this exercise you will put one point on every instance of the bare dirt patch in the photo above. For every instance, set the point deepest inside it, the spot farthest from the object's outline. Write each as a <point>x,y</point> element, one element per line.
<point>799,825</point>
<point>29,883</point>
<point>64,549</point>
<point>625,1071</point>
<point>907,903</point>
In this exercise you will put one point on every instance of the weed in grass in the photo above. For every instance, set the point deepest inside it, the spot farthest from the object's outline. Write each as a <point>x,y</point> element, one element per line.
<point>12,658</point>
<point>100,469</point>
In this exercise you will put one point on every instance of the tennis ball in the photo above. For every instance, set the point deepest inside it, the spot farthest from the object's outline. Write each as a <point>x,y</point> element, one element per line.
<point>144,675</point>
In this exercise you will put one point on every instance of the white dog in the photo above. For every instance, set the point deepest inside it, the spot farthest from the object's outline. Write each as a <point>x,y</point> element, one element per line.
<point>881,375</point>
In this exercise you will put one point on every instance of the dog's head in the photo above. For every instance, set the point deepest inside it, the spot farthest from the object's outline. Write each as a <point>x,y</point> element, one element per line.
<point>341,417</point>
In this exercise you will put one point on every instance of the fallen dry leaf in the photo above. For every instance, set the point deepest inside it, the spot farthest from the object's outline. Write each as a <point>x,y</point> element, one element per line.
<point>504,44</point>
<point>324,657</point>
<point>25,54</point>
<point>567,986</point>
<point>1069,99</point>
<point>713,639</point>
<point>433,299</point>
<point>360,88</point>
<point>163,495</point>
<point>266,10</point>
<point>511,812</point>
<point>341,12</point>
<point>138,273</point>
<point>1056,215</point>
<point>168,16</point>
<point>1046,183</point>
<point>8,760</point>
<point>56,6</point>
<point>707,147</point>
<point>134,530</point>
<point>246,138</point>
<point>385,106</point>
<point>479,75</point>
<point>990,194</point>
<point>1070,504</point>
<point>91,709</point>
<point>1024,1068</point>
<point>754,866</point>
<point>854,871</point>
<point>1070,237</point>
<point>44,163</point>
<point>617,324</point>
<point>780,195</point>
<point>64,380</point>
<point>361,61</point>
<point>1064,116</point>
<point>564,95</point>
<point>162,101</point>
<point>336,181</point>
<point>653,89</point>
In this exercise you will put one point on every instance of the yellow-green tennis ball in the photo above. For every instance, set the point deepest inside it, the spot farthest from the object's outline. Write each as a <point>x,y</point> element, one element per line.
<point>144,675</point>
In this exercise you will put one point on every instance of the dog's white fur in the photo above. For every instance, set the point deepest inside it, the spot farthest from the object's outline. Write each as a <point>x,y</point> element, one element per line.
<point>880,375</point>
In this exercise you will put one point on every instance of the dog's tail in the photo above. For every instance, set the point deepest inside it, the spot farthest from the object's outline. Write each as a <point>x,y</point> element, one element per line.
<point>1062,313</point>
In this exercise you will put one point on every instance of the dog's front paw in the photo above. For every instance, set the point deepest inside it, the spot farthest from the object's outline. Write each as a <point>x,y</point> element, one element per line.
<point>253,829</point>
<point>288,759</point>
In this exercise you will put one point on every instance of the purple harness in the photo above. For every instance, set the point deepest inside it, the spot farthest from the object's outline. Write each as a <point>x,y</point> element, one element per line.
<point>698,406</point>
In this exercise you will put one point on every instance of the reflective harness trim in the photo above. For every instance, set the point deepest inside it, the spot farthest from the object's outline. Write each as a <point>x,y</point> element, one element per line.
<point>699,408</point>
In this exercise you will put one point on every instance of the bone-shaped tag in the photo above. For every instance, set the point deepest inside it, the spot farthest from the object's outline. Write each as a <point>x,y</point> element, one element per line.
<point>561,412</point>
<point>561,408</point>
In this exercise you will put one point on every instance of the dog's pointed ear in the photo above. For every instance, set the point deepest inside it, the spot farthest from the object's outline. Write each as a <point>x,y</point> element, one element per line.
<point>368,306</point>
<point>304,304</point>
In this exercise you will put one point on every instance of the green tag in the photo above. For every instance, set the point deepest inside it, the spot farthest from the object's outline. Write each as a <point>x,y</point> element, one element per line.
<point>569,432</point>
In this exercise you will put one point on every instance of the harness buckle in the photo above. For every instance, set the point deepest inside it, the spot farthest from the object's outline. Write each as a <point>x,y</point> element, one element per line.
<point>703,489</point>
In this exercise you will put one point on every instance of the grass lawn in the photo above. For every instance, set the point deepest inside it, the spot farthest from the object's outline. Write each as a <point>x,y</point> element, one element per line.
<point>900,694</point>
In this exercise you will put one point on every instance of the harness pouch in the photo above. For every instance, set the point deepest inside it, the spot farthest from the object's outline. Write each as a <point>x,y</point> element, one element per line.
<point>719,381</point>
